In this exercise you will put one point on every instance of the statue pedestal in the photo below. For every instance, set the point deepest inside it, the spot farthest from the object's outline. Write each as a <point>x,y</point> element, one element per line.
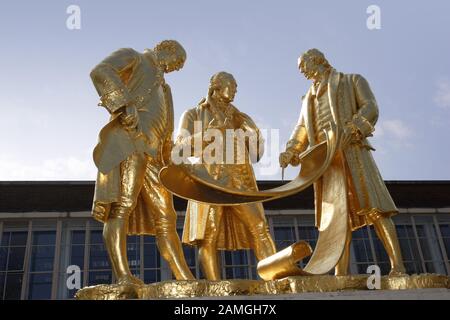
<point>288,288</point>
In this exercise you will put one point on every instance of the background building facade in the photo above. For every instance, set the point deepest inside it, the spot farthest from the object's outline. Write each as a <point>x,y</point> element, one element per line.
<point>45,227</point>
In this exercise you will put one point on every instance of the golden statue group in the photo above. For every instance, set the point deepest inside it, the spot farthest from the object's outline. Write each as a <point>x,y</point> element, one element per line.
<point>135,159</point>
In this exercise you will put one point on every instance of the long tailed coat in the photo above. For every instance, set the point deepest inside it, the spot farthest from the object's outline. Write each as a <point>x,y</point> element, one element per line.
<point>233,234</point>
<point>352,103</point>
<point>127,77</point>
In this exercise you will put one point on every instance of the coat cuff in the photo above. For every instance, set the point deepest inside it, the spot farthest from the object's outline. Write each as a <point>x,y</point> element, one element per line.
<point>291,146</point>
<point>115,100</point>
<point>363,125</point>
<point>294,146</point>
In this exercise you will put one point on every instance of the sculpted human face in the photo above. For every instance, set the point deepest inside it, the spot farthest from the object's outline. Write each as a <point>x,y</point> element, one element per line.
<point>225,92</point>
<point>171,62</point>
<point>309,68</point>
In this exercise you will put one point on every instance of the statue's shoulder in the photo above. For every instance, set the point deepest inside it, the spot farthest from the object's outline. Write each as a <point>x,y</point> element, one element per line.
<point>121,56</point>
<point>237,113</point>
<point>234,108</point>
<point>125,51</point>
<point>355,77</point>
<point>192,113</point>
<point>201,106</point>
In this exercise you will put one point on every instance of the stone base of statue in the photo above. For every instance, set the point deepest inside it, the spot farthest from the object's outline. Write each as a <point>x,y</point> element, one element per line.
<point>257,289</point>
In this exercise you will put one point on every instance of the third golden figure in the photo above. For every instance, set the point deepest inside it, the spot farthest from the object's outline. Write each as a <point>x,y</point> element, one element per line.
<point>212,227</point>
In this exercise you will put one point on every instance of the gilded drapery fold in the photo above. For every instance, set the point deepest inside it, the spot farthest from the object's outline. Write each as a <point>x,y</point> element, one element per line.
<point>352,103</point>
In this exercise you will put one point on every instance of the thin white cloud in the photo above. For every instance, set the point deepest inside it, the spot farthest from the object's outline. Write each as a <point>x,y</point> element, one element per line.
<point>395,129</point>
<point>442,93</point>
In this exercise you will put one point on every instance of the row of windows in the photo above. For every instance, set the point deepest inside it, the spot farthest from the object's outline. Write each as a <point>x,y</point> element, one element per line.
<point>424,244</point>
<point>12,256</point>
<point>32,266</point>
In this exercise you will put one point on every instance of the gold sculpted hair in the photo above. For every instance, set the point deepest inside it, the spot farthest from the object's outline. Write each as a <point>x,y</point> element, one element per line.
<point>171,46</point>
<point>219,78</point>
<point>317,56</point>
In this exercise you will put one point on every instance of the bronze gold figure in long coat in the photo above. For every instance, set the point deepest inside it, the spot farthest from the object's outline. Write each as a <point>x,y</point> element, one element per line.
<point>347,101</point>
<point>132,148</point>
<point>213,227</point>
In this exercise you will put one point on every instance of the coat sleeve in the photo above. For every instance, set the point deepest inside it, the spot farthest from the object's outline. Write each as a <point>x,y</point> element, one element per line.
<point>367,109</point>
<point>298,142</point>
<point>186,137</point>
<point>168,143</point>
<point>251,130</point>
<point>110,77</point>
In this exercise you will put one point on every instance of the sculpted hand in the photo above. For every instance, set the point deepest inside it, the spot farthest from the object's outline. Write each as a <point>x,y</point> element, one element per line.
<point>99,213</point>
<point>346,136</point>
<point>227,124</point>
<point>129,118</point>
<point>213,124</point>
<point>285,158</point>
<point>350,135</point>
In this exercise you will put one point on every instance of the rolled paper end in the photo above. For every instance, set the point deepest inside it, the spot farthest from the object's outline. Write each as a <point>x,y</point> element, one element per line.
<point>285,262</point>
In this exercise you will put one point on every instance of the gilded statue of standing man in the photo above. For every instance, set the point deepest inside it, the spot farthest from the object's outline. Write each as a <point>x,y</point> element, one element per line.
<point>132,148</point>
<point>213,227</point>
<point>347,101</point>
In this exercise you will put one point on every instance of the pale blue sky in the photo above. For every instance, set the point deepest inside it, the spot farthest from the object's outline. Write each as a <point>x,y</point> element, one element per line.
<point>50,120</point>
